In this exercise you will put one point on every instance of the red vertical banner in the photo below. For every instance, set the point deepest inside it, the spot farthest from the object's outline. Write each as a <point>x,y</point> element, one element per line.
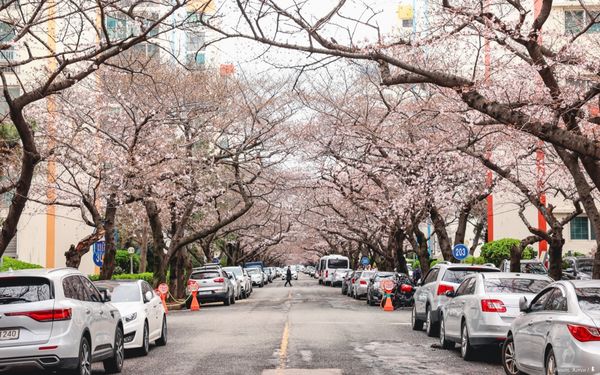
<point>489,181</point>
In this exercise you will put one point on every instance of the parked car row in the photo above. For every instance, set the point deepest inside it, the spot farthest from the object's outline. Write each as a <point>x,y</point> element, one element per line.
<point>58,320</point>
<point>540,325</point>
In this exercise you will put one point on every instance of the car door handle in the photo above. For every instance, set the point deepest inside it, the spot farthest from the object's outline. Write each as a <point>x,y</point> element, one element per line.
<point>101,312</point>
<point>530,323</point>
<point>87,312</point>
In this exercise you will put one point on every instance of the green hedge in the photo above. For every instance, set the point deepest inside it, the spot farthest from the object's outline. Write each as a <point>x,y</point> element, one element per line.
<point>496,251</point>
<point>147,276</point>
<point>475,260</point>
<point>8,263</point>
<point>122,261</point>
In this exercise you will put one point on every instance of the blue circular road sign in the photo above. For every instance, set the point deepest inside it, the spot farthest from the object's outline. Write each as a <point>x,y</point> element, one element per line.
<point>365,261</point>
<point>98,253</point>
<point>460,251</point>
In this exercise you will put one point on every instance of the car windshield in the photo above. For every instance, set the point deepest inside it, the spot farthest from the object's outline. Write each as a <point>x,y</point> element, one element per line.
<point>535,268</point>
<point>205,275</point>
<point>515,285</point>
<point>337,263</point>
<point>588,298</point>
<point>458,275</point>
<point>126,292</point>
<point>24,289</point>
<point>585,265</point>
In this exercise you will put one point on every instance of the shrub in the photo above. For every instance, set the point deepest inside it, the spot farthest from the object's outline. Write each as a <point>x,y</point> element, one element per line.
<point>496,251</point>
<point>147,276</point>
<point>122,261</point>
<point>8,263</point>
<point>474,260</point>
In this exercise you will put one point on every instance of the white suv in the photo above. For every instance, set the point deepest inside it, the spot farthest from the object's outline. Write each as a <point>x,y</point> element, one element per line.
<point>430,295</point>
<point>56,319</point>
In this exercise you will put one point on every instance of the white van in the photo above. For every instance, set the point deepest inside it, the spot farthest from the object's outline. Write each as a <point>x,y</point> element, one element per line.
<point>328,264</point>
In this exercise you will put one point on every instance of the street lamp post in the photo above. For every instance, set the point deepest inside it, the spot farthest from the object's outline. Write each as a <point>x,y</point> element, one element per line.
<point>131,251</point>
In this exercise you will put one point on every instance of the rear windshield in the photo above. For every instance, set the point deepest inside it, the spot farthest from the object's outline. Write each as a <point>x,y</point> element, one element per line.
<point>236,271</point>
<point>24,289</point>
<point>337,263</point>
<point>514,285</point>
<point>253,271</point>
<point>205,275</point>
<point>458,275</point>
<point>384,276</point>
<point>588,298</point>
<point>535,268</point>
<point>367,274</point>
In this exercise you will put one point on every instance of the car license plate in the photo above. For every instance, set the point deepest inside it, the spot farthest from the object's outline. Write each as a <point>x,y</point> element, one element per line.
<point>9,334</point>
<point>204,292</point>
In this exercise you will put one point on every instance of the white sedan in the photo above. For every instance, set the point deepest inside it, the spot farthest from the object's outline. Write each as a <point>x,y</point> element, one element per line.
<point>142,312</point>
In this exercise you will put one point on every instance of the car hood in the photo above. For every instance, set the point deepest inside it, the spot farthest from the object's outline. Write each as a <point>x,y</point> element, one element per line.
<point>128,308</point>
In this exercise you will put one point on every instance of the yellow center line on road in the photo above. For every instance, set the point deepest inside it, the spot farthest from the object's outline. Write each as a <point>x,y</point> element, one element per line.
<point>284,340</point>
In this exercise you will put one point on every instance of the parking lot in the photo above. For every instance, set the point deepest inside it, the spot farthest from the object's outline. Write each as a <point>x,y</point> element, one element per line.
<point>307,329</point>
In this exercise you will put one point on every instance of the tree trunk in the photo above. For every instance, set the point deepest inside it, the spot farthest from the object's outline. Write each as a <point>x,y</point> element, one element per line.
<point>442,234</point>
<point>158,241</point>
<point>29,160</point>
<point>173,275</point>
<point>478,230</point>
<point>555,261</point>
<point>421,250</point>
<point>110,247</point>
<point>144,249</point>
<point>75,253</point>
<point>461,228</point>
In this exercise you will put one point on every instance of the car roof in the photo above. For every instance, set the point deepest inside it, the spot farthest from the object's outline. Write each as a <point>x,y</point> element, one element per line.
<point>585,283</point>
<point>465,266</point>
<point>42,272</point>
<point>512,275</point>
<point>117,282</point>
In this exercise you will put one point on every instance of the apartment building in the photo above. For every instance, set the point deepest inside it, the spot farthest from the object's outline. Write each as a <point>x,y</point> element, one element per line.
<point>45,232</point>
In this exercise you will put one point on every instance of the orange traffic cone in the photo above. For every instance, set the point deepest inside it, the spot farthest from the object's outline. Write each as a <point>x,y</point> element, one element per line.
<point>162,298</point>
<point>388,305</point>
<point>195,306</point>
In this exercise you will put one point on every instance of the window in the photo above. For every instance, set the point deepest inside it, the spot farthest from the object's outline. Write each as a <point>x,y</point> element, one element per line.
<point>15,290</point>
<point>557,301</point>
<point>13,92</point>
<point>206,275</point>
<point>588,298</point>
<point>407,23</point>
<point>116,28</point>
<point>91,293</point>
<point>540,301</point>
<point>577,20</point>
<point>73,288</point>
<point>7,33</point>
<point>431,276</point>
<point>195,48</point>
<point>581,229</point>
<point>457,275</point>
<point>516,285</point>
<point>467,287</point>
<point>337,263</point>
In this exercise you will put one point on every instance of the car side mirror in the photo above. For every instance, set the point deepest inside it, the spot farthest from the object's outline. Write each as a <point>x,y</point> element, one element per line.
<point>523,304</point>
<point>419,282</point>
<point>451,294</point>
<point>105,296</point>
<point>148,296</point>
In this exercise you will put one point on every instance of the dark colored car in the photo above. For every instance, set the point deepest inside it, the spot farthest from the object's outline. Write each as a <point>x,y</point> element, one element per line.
<point>346,282</point>
<point>374,292</point>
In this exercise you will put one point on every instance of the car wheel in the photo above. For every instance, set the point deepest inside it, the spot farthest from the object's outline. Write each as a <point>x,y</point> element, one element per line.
<point>417,324</point>
<point>233,299</point>
<point>114,365</point>
<point>551,363</point>
<point>261,285</point>
<point>84,362</point>
<point>227,301</point>
<point>431,328</point>
<point>466,350</point>
<point>145,341</point>
<point>509,360</point>
<point>162,340</point>
<point>444,343</point>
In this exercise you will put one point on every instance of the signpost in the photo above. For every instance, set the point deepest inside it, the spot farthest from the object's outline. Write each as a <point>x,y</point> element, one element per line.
<point>98,253</point>
<point>131,251</point>
<point>460,251</point>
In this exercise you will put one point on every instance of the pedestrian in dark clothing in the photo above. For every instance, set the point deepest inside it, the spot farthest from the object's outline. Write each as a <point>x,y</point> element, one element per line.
<point>288,277</point>
<point>416,275</point>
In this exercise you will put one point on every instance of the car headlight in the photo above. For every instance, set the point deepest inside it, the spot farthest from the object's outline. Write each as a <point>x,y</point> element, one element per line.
<point>130,317</point>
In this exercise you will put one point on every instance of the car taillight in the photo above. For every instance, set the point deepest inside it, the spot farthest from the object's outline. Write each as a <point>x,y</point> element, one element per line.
<point>584,333</point>
<point>352,281</point>
<point>492,305</point>
<point>219,280</point>
<point>45,315</point>
<point>363,282</point>
<point>443,288</point>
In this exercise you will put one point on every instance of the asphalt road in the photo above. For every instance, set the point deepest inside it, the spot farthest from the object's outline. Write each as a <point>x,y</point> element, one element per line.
<point>307,329</point>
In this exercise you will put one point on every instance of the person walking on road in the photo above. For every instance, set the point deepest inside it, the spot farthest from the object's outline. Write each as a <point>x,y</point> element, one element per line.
<point>288,277</point>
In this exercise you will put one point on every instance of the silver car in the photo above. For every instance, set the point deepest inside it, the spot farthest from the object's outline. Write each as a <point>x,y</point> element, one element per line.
<point>361,283</point>
<point>56,320</point>
<point>213,286</point>
<point>558,332</point>
<point>430,295</point>
<point>338,276</point>
<point>483,307</point>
